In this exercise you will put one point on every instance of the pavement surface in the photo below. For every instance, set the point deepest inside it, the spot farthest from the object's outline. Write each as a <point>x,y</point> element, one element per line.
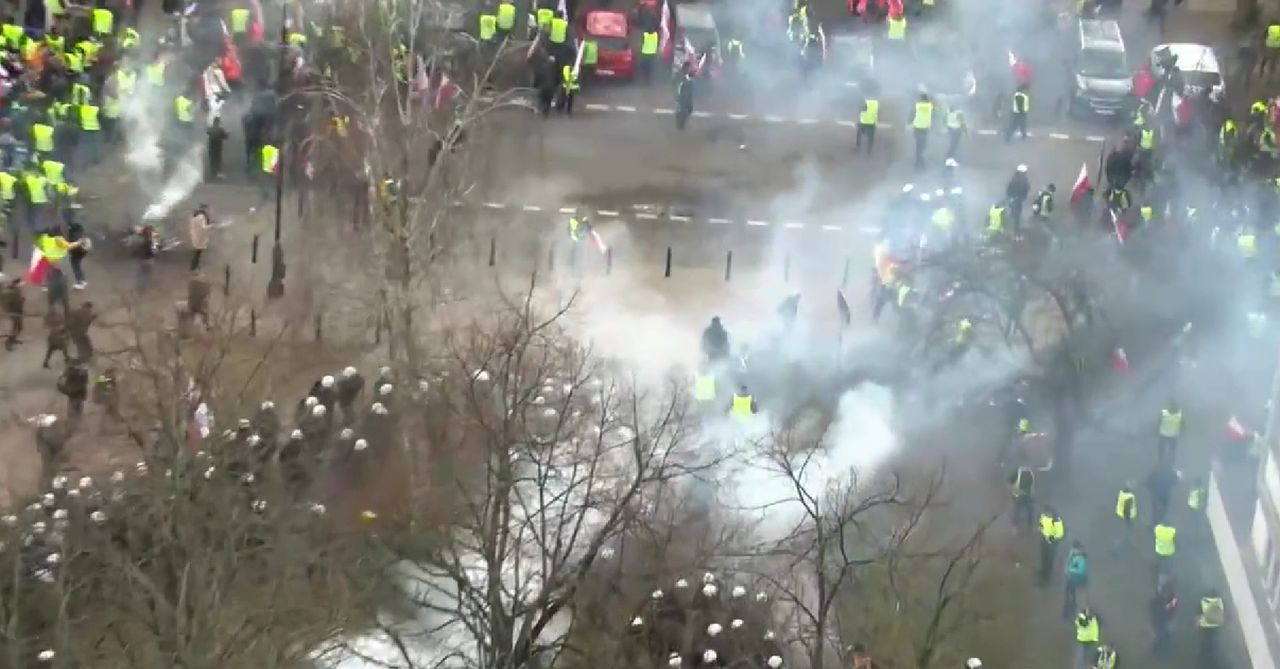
<point>759,198</point>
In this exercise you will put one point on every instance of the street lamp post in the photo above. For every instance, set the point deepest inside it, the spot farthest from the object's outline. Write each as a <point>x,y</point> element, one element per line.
<point>275,287</point>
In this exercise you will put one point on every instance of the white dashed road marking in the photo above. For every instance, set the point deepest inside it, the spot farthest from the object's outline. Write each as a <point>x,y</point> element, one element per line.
<point>644,212</point>
<point>809,121</point>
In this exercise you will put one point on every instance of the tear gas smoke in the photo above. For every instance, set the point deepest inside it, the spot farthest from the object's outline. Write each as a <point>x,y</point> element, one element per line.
<point>145,148</point>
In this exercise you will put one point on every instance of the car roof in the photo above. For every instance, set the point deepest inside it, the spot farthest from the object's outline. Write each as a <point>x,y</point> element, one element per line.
<point>606,23</point>
<point>1191,57</point>
<point>697,17</point>
<point>1101,34</point>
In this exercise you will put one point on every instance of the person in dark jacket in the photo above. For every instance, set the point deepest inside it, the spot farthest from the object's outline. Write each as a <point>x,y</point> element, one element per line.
<point>14,303</point>
<point>1017,191</point>
<point>74,383</point>
<point>217,135</point>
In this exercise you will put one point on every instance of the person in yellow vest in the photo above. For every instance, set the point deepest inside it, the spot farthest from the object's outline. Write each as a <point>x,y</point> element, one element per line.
<point>590,54</point>
<point>488,32</point>
<point>867,120</point>
<point>42,137</point>
<point>568,88</point>
<point>506,19</point>
<point>743,406</point>
<point>1247,244</point>
<point>1127,512</point>
<point>558,32</point>
<point>119,86</point>
<point>269,157</point>
<point>1165,545</point>
<point>36,189</point>
<point>155,73</point>
<point>87,145</point>
<point>1018,114</point>
<point>12,33</point>
<point>995,220</point>
<point>1270,48</point>
<point>1088,633</point>
<point>1052,532</point>
<point>128,40</point>
<point>1169,429</point>
<point>184,116</point>
<point>542,20</point>
<point>921,123</point>
<point>103,21</point>
<point>648,54</point>
<point>897,29</point>
<point>54,172</point>
<point>1213,615</point>
<point>704,387</point>
<point>238,23</point>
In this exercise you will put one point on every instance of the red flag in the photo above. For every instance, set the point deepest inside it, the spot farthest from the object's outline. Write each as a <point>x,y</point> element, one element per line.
<point>1120,360</point>
<point>862,7</point>
<point>1236,431</point>
<point>445,91</point>
<point>38,269</point>
<point>664,28</point>
<point>1082,184</point>
<point>1120,226</point>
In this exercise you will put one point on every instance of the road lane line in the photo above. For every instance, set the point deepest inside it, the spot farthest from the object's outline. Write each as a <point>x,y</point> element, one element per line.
<point>807,121</point>
<point>495,205</point>
<point>664,110</point>
<point>701,114</point>
<point>647,217</point>
<point>568,210</point>
<point>848,124</point>
<point>1058,135</point>
<point>626,108</point>
<point>870,229</point>
<point>757,224</point>
<point>794,226</point>
<point>886,126</point>
<point>676,217</point>
<point>739,117</point>
<point>988,133</point>
<point>773,119</point>
<point>1095,138</point>
<point>832,228</point>
<point>597,107</point>
<point>607,212</point>
<point>719,221</point>
<point>531,207</point>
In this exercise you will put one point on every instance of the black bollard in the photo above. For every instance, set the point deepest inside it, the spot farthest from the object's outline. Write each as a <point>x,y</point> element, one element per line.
<point>844,276</point>
<point>254,258</point>
<point>226,281</point>
<point>318,336</point>
<point>377,329</point>
<point>728,265</point>
<point>786,268</point>
<point>608,261</point>
<point>551,258</point>
<point>667,274</point>
<point>253,323</point>
<point>493,251</point>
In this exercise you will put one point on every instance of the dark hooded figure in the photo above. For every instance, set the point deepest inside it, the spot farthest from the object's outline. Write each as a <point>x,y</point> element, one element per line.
<point>266,423</point>
<point>350,385</point>
<point>715,341</point>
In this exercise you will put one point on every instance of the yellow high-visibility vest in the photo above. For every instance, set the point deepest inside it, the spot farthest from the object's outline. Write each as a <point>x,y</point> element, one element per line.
<point>239,20</point>
<point>590,52</point>
<point>898,28</point>
<point>103,21</point>
<point>1126,498</point>
<point>871,114</point>
<point>7,184</point>
<point>53,171</point>
<point>155,73</point>
<point>995,220</point>
<point>570,81</point>
<point>649,44</point>
<point>1247,245</point>
<point>270,154</point>
<point>36,186</point>
<point>923,119</point>
<point>56,43</point>
<point>1021,103</point>
<point>80,94</point>
<point>955,120</point>
<point>88,50</point>
<point>129,38</point>
<point>506,16</point>
<point>1273,36</point>
<point>943,219</point>
<point>1213,613</point>
<point>1146,139</point>
<point>488,27</point>
<point>182,109</point>
<point>111,108</point>
<point>1170,423</point>
<point>544,16</point>
<point>55,7</point>
<point>704,387</point>
<point>1165,535</point>
<point>126,82</point>
<point>1052,528</point>
<point>1087,629</point>
<point>73,61</point>
<point>559,30</point>
<point>12,34</point>
<point>741,406</point>
<point>89,118</point>
<point>42,136</point>
<point>1195,499</point>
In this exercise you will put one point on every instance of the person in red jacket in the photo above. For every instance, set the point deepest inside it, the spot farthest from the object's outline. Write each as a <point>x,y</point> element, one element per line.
<point>1143,82</point>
